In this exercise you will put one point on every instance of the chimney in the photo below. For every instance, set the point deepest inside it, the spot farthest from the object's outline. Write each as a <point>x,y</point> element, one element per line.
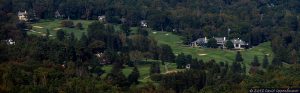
<point>205,39</point>
<point>224,38</point>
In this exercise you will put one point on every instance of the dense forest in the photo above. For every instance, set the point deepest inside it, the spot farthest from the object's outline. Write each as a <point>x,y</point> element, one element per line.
<point>67,64</point>
<point>254,20</point>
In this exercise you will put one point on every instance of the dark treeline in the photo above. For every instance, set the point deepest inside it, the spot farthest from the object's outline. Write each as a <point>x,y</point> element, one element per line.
<point>251,20</point>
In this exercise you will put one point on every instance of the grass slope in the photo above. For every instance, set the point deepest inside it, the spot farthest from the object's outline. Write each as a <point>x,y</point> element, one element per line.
<point>42,26</point>
<point>207,54</point>
<point>173,40</point>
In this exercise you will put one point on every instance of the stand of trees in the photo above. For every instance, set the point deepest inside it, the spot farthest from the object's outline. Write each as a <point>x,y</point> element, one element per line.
<point>227,77</point>
<point>67,64</point>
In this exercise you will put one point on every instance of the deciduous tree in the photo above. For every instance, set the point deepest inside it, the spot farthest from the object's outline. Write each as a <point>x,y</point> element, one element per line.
<point>238,57</point>
<point>134,76</point>
<point>154,68</point>
<point>60,35</point>
<point>229,45</point>
<point>212,43</point>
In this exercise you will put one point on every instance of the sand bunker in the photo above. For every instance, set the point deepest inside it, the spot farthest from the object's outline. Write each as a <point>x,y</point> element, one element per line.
<point>202,54</point>
<point>38,27</point>
<point>57,29</point>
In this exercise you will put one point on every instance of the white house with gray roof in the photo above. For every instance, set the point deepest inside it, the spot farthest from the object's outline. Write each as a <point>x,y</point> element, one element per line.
<point>221,41</point>
<point>22,16</point>
<point>239,44</point>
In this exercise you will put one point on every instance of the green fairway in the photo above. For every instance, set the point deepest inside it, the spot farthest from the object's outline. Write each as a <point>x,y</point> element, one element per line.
<point>41,27</point>
<point>207,54</point>
<point>173,40</point>
<point>144,68</point>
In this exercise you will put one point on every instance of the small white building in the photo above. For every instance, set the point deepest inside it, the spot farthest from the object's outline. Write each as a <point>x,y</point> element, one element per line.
<point>99,55</point>
<point>123,20</point>
<point>10,42</point>
<point>188,66</point>
<point>102,18</point>
<point>23,16</point>
<point>144,23</point>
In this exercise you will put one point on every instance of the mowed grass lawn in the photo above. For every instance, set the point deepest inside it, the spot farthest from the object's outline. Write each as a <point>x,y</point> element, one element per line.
<point>144,69</point>
<point>207,54</point>
<point>42,26</point>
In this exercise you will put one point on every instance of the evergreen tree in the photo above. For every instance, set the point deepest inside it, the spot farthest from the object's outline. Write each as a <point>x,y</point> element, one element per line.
<point>276,61</point>
<point>116,76</point>
<point>8,22</point>
<point>229,45</point>
<point>118,79</point>
<point>79,26</point>
<point>154,68</point>
<point>96,30</point>
<point>134,76</point>
<point>244,68</point>
<point>255,62</point>
<point>180,61</point>
<point>197,64</point>
<point>72,53</point>
<point>224,68</point>
<point>254,65</point>
<point>4,53</point>
<point>47,33</point>
<point>238,57</point>
<point>67,23</point>
<point>265,62</point>
<point>188,59</point>
<point>126,28</point>
<point>166,54</point>
<point>98,70</point>
<point>212,43</point>
<point>60,34</point>
<point>135,56</point>
<point>117,65</point>
<point>72,39</point>
<point>142,31</point>
<point>236,67</point>
<point>83,40</point>
<point>97,46</point>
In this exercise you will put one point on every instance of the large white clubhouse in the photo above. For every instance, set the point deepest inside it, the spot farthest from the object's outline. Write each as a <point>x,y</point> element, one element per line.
<point>221,41</point>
